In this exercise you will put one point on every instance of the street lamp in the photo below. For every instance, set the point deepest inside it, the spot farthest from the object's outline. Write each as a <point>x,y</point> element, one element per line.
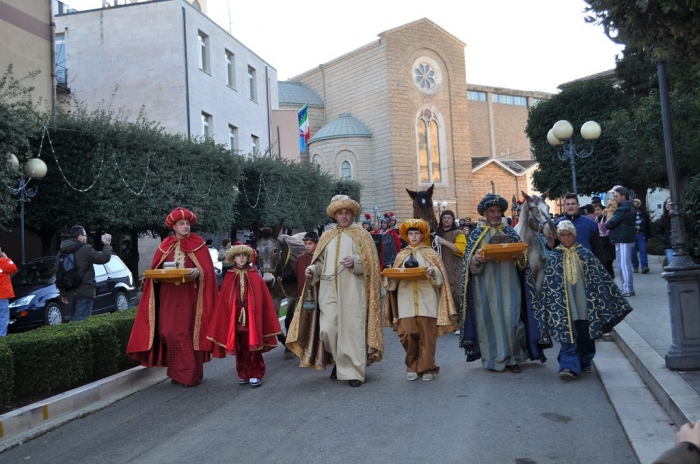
<point>560,136</point>
<point>35,169</point>
<point>437,205</point>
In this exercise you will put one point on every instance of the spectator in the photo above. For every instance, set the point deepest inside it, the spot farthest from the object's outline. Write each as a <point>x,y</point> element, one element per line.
<point>607,249</point>
<point>80,298</point>
<point>687,449</point>
<point>225,246</point>
<point>643,229</point>
<point>622,233</point>
<point>662,230</point>
<point>7,268</point>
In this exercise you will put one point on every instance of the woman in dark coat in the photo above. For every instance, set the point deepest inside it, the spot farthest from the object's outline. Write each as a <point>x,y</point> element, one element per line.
<point>606,254</point>
<point>662,230</point>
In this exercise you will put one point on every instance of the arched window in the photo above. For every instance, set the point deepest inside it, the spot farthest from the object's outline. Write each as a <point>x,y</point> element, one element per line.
<point>346,171</point>
<point>428,147</point>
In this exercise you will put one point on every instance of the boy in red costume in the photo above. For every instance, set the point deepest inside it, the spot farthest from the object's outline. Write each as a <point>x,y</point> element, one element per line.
<point>245,322</point>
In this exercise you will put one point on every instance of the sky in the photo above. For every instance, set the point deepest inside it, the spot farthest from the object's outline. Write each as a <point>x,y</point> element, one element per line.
<point>533,45</point>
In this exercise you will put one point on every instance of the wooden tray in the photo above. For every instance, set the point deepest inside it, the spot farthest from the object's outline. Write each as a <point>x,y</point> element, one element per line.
<point>171,276</point>
<point>413,273</point>
<point>503,251</point>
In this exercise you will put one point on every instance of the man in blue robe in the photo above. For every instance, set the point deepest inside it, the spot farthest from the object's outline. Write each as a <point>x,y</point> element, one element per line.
<point>496,324</point>
<point>580,302</point>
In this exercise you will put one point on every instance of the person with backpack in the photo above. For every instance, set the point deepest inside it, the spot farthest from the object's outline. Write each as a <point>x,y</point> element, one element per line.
<point>75,275</point>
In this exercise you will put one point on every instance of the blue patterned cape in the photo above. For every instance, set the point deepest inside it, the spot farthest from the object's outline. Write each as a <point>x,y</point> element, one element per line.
<point>605,305</point>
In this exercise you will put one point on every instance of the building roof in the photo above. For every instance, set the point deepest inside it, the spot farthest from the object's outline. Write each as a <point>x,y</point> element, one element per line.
<point>295,93</point>
<point>346,125</point>
<point>515,167</point>
<point>608,75</point>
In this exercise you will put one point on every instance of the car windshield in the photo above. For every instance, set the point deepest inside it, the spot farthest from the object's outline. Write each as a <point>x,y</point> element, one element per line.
<point>39,273</point>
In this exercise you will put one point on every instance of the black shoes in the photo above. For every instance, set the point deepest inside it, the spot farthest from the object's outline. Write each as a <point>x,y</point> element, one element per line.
<point>354,383</point>
<point>515,369</point>
<point>334,374</point>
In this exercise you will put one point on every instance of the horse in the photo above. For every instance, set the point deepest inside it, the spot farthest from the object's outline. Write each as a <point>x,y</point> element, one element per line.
<point>276,255</point>
<point>423,209</point>
<point>535,228</point>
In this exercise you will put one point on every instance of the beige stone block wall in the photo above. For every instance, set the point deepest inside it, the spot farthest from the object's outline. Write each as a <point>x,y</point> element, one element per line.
<point>25,34</point>
<point>509,124</point>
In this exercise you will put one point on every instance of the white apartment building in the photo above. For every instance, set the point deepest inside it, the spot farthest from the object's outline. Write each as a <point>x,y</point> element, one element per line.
<point>171,60</point>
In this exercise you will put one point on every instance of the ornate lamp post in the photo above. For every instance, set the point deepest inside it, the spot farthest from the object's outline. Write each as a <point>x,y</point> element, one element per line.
<point>35,169</point>
<point>560,136</point>
<point>442,204</point>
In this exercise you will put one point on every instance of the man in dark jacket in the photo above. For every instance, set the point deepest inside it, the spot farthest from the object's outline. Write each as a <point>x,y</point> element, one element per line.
<point>623,232</point>
<point>81,297</point>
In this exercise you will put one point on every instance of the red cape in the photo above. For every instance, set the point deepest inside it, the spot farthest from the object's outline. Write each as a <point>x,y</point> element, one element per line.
<point>263,324</point>
<point>142,334</point>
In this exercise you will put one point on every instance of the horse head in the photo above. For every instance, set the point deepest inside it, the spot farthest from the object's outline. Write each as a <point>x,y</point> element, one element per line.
<point>269,252</point>
<point>537,217</point>
<point>423,206</point>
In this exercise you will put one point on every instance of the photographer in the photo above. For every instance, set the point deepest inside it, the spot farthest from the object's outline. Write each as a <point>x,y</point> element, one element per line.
<point>81,297</point>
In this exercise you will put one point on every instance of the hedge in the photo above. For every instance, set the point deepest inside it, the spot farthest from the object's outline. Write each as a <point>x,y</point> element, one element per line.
<point>7,378</point>
<point>59,357</point>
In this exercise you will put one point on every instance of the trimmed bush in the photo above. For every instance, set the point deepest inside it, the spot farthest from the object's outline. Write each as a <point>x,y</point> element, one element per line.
<point>50,358</point>
<point>7,373</point>
<point>105,346</point>
<point>123,321</point>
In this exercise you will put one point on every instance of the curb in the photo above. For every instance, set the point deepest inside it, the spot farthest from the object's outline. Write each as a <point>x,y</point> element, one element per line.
<point>680,401</point>
<point>35,419</point>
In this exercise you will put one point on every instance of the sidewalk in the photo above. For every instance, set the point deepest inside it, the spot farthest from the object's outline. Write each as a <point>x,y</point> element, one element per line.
<point>645,338</point>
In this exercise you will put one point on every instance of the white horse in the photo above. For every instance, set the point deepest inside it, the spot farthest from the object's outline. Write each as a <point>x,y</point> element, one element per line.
<point>535,228</point>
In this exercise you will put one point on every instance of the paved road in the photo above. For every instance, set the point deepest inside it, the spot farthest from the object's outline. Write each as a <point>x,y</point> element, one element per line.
<point>467,414</point>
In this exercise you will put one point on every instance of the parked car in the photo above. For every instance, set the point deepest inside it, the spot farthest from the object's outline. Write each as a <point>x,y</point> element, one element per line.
<point>218,265</point>
<point>38,302</point>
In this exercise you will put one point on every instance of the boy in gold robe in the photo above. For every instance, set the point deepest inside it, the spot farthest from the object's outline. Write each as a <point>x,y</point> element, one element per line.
<point>420,310</point>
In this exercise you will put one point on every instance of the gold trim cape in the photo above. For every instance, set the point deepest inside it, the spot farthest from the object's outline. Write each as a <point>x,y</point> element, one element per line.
<point>303,335</point>
<point>447,314</point>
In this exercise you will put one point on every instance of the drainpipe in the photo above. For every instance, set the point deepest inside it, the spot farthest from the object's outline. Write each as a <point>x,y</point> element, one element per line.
<point>269,109</point>
<point>53,65</point>
<point>187,77</point>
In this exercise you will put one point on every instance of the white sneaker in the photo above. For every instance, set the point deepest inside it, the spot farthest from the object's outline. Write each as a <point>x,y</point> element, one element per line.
<point>411,376</point>
<point>255,382</point>
<point>427,377</point>
<point>457,332</point>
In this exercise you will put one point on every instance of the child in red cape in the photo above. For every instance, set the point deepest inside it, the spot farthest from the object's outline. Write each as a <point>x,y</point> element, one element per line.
<point>245,323</point>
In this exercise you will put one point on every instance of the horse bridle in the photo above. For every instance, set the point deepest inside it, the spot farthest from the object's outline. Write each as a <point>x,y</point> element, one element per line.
<point>536,224</point>
<point>279,264</point>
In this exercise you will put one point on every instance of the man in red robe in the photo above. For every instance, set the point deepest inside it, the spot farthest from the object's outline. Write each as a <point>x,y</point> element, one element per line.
<point>172,318</point>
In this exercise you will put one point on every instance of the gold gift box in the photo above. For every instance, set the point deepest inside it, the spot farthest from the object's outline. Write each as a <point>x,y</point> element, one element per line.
<point>503,251</point>
<point>171,276</point>
<point>412,273</point>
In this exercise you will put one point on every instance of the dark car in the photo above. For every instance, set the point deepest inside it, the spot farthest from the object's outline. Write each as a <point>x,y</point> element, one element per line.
<point>38,302</point>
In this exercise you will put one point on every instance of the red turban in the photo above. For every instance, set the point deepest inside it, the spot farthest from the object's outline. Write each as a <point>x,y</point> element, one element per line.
<point>180,213</point>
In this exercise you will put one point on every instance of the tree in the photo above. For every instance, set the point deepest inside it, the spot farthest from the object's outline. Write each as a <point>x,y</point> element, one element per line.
<point>670,29</point>
<point>19,122</point>
<point>578,103</point>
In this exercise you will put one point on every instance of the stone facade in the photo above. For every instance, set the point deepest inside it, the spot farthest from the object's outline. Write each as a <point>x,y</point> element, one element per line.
<point>377,85</point>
